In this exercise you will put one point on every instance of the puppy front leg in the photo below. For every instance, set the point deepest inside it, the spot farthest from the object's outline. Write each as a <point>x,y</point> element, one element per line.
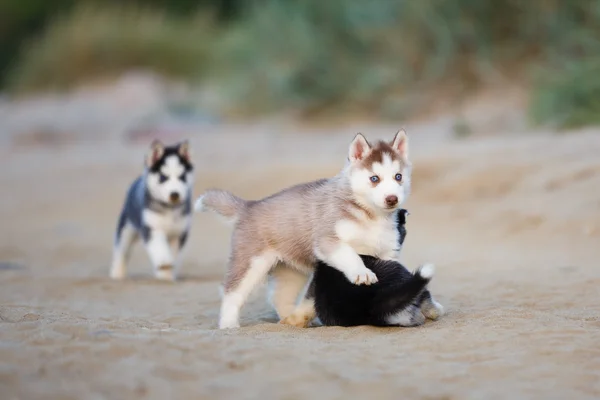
<point>177,244</point>
<point>161,257</point>
<point>342,257</point>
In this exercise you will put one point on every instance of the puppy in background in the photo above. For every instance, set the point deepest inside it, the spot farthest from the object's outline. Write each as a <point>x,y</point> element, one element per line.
<point>399,298</point>
<point>158,209</point>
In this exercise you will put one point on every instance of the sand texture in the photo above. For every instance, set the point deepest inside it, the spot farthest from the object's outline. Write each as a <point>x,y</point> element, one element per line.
<point>512,223</point>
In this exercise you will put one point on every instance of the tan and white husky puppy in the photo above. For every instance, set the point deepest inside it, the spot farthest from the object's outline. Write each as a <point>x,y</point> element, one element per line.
<point>333,220</point>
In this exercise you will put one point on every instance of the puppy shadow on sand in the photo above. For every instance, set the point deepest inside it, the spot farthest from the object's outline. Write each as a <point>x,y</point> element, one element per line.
<point>182,277</point>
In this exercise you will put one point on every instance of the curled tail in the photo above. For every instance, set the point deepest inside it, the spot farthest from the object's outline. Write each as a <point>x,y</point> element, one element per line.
<point>396,298</point>
<point>221,202</point>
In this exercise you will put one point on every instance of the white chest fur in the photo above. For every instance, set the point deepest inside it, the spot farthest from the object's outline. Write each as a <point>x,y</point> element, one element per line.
<point>172,223</point>
<point>378,237</point>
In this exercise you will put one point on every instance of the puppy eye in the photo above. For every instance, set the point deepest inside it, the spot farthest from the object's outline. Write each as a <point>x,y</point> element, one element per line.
<point>398,177</point>
<point>162,178</point>
<point>374,179</point>
<point>182,177</point>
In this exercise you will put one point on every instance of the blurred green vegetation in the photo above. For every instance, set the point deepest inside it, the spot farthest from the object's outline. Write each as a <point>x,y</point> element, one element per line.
<point>24,21</point>
<point>271,54</point>
<point>103,41</point>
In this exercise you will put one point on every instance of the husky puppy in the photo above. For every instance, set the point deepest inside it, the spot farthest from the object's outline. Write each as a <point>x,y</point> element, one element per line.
<point>333,220</point>
<point>400,298</point>
<point>157,208</point>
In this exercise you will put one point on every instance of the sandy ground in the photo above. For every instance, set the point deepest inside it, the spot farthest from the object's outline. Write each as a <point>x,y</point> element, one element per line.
<point>511,222</point>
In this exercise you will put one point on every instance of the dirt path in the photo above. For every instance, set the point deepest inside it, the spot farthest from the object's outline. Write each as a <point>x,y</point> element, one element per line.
<point>512,224</point>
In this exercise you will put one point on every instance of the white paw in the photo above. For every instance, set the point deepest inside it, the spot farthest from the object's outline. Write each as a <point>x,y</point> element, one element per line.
<point>228,324</point>
<point>439,308</point>
<point>363,277</point>
<point>117,273</point>
<point>165,273</point>
<point>433,311</point>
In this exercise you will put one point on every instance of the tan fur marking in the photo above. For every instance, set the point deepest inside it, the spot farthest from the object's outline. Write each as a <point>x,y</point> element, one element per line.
<point>377,153</point>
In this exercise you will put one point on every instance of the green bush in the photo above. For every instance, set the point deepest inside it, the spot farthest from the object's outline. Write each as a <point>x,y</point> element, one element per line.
<point>314,53</point>
<point>373,54</point>
<point>102,41</point>
<point>566,90</point>
<point>568,98</point>
<point>379,56</point>
<point>20,18</point>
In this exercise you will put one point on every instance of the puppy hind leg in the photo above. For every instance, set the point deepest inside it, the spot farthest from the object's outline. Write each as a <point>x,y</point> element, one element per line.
<point>243,276</point>
<point>305,312</point>
<point>125,237</point>
<point>429,307</point>
<point>285,286</point>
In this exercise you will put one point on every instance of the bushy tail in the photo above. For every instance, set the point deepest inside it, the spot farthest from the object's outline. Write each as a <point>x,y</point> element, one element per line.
<point>396,298</point>
<point>221,202</point>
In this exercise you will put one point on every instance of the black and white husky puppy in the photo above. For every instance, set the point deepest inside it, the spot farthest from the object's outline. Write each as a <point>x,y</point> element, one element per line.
<point>157,209</point>
<point>399,298</point>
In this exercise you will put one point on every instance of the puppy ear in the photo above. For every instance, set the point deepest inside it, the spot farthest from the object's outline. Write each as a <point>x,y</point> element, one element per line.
<point>400,143</point>
<point>359,148</point>
<point>157,149</point>
<point>185,150</point>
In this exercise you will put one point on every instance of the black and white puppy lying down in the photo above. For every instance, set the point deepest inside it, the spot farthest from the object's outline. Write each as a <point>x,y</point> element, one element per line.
<point>399,298</point>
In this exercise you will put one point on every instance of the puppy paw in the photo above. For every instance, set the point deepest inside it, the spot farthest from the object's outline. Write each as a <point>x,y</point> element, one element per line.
<point>117,276</point>
<point>117,272</point>
<point>165,272</point>
<point>362,277</point>
<point>433,310</point>
<point>226,324</point>
<point>417,319</point>
<point>297,320</point>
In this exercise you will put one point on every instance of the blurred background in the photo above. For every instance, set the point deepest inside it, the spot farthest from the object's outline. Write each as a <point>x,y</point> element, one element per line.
<point>500,99</point>
<point>380,59</point>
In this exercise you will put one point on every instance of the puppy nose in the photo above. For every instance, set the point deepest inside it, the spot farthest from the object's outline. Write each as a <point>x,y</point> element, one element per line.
<point>391,200</point>
<point>174,196</point>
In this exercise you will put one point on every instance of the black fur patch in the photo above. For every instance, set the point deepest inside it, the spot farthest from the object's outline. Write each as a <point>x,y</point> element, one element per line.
<point>183,239</point>
<point>340,302</point>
